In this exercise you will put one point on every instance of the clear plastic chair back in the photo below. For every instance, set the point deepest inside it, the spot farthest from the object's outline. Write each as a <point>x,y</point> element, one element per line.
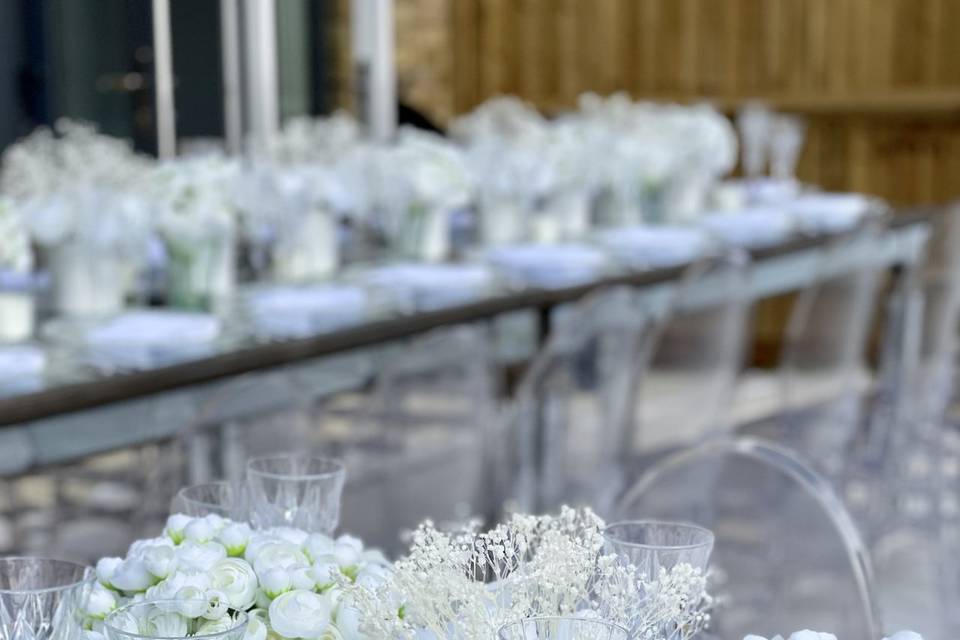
<point>786,554</point>
<point>822,368</point>
<point>696,356</point>
<point>565,430</point>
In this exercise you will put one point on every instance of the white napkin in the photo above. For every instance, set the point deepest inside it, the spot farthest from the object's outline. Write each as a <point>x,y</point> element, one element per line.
<point>145,339</point>
<point>425,287</point>
<point>829,212</point>
<point>751,228</point>
<point>549,266</point>
<point>292,311</point>
<point>653,247</point>
<point>21,368</point>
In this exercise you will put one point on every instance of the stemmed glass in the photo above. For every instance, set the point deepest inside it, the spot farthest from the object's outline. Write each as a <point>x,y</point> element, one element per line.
<point>562,628</point>
<point>169,619</point>
<point>225,499</point>
<point>296,491</point>
<point>652,545</point>
<point>42,598</point>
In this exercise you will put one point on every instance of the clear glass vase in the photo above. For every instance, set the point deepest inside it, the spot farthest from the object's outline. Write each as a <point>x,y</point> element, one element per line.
<point>87,280</point>
<point>201,275</point>
<point>296,491</point>
<point>170,619</point>
<point>42,599</point>
<point>562,628</point>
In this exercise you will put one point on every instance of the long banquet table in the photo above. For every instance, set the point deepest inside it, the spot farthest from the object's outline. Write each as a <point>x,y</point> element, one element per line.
<point>66,421</point>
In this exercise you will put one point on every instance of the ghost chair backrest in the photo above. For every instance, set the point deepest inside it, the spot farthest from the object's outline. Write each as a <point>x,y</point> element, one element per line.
<point>695,356</point>
<point>786,553</point>
<point>563,432</point>
<point>822,368</point>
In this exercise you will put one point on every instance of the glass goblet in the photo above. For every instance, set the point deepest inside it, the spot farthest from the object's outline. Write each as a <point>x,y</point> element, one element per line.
<point>42,598</point>
<point>652,545</point>
<point>296,491</point>
<point>169,619</point>
<point>562,628</point>
<point>225,499</point>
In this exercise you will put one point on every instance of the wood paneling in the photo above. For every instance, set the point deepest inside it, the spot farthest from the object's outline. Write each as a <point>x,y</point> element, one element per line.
<point>878,80</point>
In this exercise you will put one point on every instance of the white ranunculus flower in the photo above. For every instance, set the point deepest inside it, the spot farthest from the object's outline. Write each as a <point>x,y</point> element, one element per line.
<point>217,604</point>
<point>106,567</point>
<point>256,630</point>
<point>170,588</point>
<point>372,575</point>
<point>100,601</point>
<point>323,573</point>
<point>221,624</point>
<point>289,534</point>
<point>302,578</point>
<point>139,547</point>
<point>199,530</point>
<point>318,545</point>
<point>348,551</point>
<point>300,614</point>
<point>275,581</point>
<point>200,556</point>
<point>279,555</point>
<point>132,576</point>
<point>237,579</point>
<point>175,526</point>
<point>234,538</point>
<point>159,560</point>
<point>216,522</point>
<point>165,624</point>
<point>193,603</point>
<point>125,621</point>
<point>348,622</point>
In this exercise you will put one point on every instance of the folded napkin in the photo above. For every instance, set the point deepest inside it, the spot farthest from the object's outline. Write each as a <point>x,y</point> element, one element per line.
<point>751,228</point>
<point>21,368</point>
<point>146,339</point>
<point>829,212</point>
<point>653,247</point>
<point>549,266</point>
<point>295,311</point>
<point>425,287</point>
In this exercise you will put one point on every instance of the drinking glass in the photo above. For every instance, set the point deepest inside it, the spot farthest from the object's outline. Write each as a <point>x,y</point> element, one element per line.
<point>651,545</point>
<point>562,628</point>
<point>168,619</point>
<point>296,491</point>
<point>225,499</point>
<point>42,598</point>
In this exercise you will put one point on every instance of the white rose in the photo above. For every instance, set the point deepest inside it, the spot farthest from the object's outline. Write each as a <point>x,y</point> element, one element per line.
<point>275,581</point>
<point>279,555</point>
<point>317,545</point>
<point>159,560</point>
<point>132,576</point>
<point>199,530</point>
<point>234,538</point>
<point>100,601</point>
<point>175,526</point>
<point>106,567</point>
<point>200,556</point>
<point>300,614</point>
<point>237,579</point>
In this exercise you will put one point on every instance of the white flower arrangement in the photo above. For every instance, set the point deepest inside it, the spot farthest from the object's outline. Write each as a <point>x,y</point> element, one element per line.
<point>466,585</point>
<point>72,183</point>
<point>289,582</point>
<point>194,197</point>
<point>15,252</point>
<point>306,140</point>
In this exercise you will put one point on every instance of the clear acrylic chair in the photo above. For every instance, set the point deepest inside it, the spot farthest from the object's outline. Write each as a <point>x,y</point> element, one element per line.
<point>563,433</point>
<point>822,372</point>
<point>696,351</point>
<point>787,554</point>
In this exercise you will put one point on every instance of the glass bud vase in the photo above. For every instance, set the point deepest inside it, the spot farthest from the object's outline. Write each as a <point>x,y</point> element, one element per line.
<point>424,234</point>
<point>42,599</point>
<point>201,274</point>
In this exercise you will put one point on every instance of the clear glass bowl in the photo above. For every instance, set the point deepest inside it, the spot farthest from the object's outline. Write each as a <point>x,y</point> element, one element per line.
<point>169,619</point>
<point>42,598</point>
<point>562,628</point>
<point>296,491</point>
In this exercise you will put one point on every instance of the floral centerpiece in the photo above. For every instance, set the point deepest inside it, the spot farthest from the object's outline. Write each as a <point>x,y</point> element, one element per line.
<point>196,217</point>
<point>289,582</point>
<point>81,197</point>
<point>16,264</point>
